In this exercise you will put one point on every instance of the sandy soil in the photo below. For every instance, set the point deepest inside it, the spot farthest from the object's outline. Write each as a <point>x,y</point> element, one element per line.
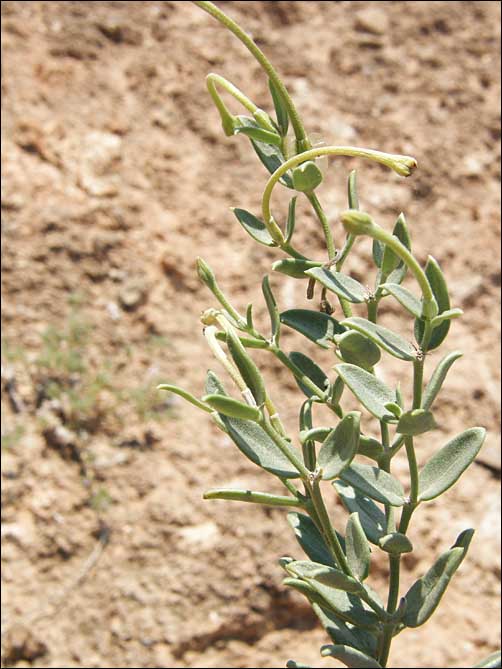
<point>116,176</point>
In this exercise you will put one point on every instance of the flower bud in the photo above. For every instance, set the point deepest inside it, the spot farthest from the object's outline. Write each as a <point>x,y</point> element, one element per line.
<point>357,222</point>
<point>206,274</point>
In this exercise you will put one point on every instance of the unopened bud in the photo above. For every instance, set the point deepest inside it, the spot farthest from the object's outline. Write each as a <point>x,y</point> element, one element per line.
<point>357,222</point>
<point>206,274</point>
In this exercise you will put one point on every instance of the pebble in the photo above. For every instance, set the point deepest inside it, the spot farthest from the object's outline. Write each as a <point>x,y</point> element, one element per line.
<point>372,20</point>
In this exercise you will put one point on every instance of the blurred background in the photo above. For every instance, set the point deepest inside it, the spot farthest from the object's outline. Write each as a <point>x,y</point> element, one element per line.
<point>116,175</point>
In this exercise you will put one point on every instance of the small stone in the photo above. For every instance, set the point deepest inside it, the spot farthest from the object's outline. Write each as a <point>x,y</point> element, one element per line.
<point>131,296</point>
<point>372,20</point>
<point>21,644</point>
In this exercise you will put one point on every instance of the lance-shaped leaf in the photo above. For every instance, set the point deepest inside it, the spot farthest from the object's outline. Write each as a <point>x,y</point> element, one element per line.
<point>375,483</point>
<point>447,315</point>
<point>340,446</point>
<point>185,395</point>
<point>370,391</point>
<point>256,445</point>
<point>213,385</point>
<point>347,606</point>
<point>281,111</point>
<point>309,369</point>
<point>259,135</point>
<point>310,539</point>
<point>387,340</point>
<point>416,421</point>
<point>316,326</point>
<point>411,303</point>
<point>273,311</point>
<point>294,267</point>
<point>372,518</point>
<point>291,222</point>
<point>351,657</point>
<point>447,465</point>
<point>492,661</point>
<point>248,342</point>
<point>440,290</point>
<point>228,406</point>
<point>238,495</point>
<point>357,349</point>
<point>246,366</point>
<point>272,157</point>
<point>254,227</point>
<point>357,547</point>
<point>344,633</point>
<point>314,572</point>
<point>391,260</point>
<point>437,379</point>
<point>395,543</point>
<point>425,594</point>
<point>344,286</point>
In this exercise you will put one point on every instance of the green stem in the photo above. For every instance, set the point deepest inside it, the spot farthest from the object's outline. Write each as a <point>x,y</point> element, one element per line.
<point>285,448</point>
<point>230,24</point>
<point>252,496</point>
<point>280,355</point>
<point>412,462</point>
<point>328,528</point>
<point>328,236</point>
<point>400,164</point>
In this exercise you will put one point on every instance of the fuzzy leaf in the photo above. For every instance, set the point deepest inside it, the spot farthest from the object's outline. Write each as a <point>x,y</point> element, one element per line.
<point>375,483</point>
<point>310,539</point>
<point>391,261</point>
<point>273,311</point>
<point>447,315</point>
<point>416,421</point>
<point>228,406</point>
<point>294,267</point>
<point>272,157</point>
<point>344,286</point>
<point>340,446</point>
<point>291,222</point>
<point>425,594</point>
<point>395,543</point>
<point>311,370</point>
<point>357,349</point>
<point>306,177</point>
<point>254,227</point>
<point>246,366</point>
<point>387,340</point>
<point>438,377</point>
<point>314,572</point>
<point>351,657</point>
<point>440,291</point>
<point>370,391</point>
<point>447,465</point>
<point>185,395</point>
<point>370,447</point>
<point>316,326</point>
<point>248,342</point>
<point>411,303</point>
<point>371,517</point>
<point>259,135</point>
<point>357,547</point>
<point>256,445</point>
<point>213,385</point>
<point>344,633</point>
<point>281,111</point>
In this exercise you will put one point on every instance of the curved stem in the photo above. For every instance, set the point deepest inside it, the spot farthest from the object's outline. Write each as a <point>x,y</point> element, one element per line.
<point>230,24</point>
<point>401,164</point>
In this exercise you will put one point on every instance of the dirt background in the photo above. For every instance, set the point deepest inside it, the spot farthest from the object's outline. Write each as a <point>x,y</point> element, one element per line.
<point>116,175</point>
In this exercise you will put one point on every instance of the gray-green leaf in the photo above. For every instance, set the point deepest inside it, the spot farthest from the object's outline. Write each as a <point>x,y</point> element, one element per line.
<point>447,465</point>
<point>387,340</point>
<point>340,446</point>
<point>281,111</point>
<point>344,286</point>
<point>351,657</point>
<point>256,445</point>
<point>314,572</point>
<point>416,421</point>
<point>492,661</point>
<point>370,391</point>
<point>310,539</point>
<point>425,594</point>
<point>375,483</point>
<point>310,370</point>
<point>273,311</point>
<point>395,543</point>
<point>291,222</point>
<point>405,298</point>
<point>213,385</point>
<point>437,379</point>
<point>357,547</point>
<point>357,349</point>
<point>294,267</point>
<point>440,290</point>
<point>344,633</point>
<point>371,517</point>
<point>254,227</point>
<point>316,326</point>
